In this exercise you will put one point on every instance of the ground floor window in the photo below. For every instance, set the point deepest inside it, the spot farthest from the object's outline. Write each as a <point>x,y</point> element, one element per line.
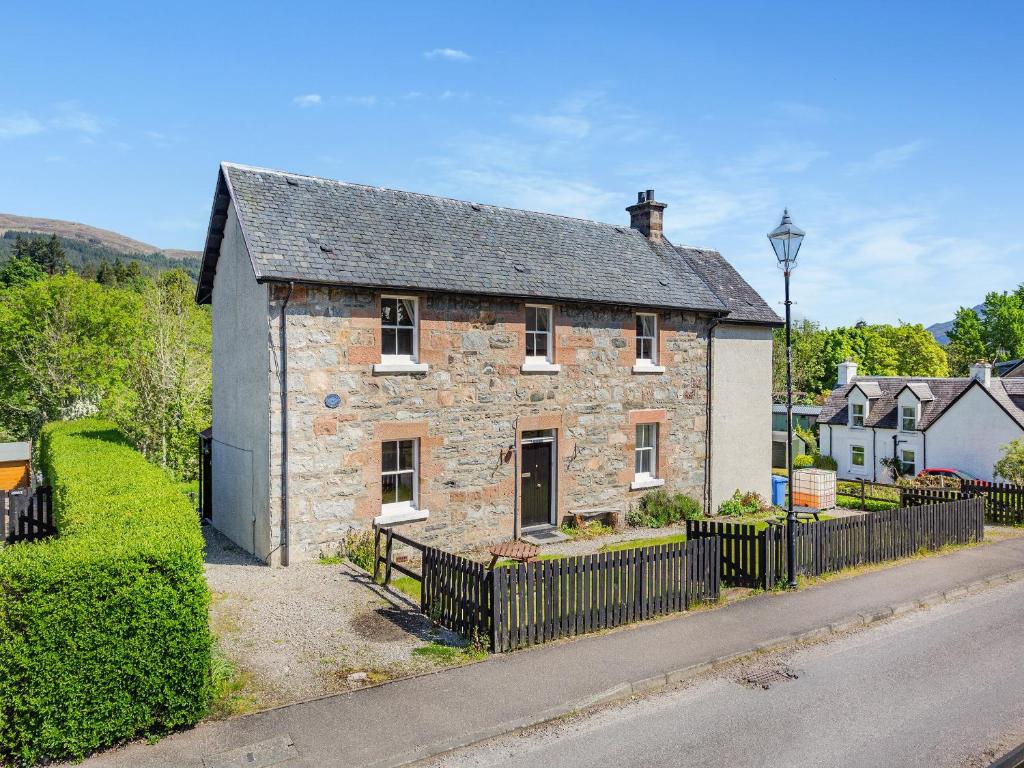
<point>908,462</point>
<point>646,451</point>
<point>857,457</point>
<point>398,486</point>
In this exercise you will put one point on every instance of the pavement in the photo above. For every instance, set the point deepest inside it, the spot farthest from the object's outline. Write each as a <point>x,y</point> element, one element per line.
<point>934,689</point>
<point>407,720</point>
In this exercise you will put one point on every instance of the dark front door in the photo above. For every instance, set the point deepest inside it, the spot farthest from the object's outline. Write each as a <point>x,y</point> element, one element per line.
<point>536,483</point>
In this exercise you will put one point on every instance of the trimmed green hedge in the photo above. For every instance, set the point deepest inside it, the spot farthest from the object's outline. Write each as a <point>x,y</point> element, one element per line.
<point>103,631</point>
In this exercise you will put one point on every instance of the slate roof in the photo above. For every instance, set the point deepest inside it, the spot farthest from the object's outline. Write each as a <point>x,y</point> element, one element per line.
<point>314,230</point>
<point>1008,393</point>
<point>15,451</point>
<point>921,390</point>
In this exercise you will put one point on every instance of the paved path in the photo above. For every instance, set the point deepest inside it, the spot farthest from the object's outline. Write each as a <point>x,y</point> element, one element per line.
<point>418,717</point>
<point>933,689</point>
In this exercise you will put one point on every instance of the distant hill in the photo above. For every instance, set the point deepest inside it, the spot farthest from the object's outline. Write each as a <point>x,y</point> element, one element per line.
<point>939,330</point>
<point>87,246</point>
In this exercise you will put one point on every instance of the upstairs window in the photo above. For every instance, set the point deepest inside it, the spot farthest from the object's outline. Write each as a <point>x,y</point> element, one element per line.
<point>908,418</point>
<point>856,414</point>
<point>646,451</point>
<point>538,334</point>
<point>646,339</point>
<point>398,486</point>
<point>398,318</point>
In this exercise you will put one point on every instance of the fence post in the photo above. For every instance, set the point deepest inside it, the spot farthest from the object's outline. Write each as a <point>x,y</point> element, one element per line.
<point>387,558</point>
<point>863,502</point>
<point>376,552</point>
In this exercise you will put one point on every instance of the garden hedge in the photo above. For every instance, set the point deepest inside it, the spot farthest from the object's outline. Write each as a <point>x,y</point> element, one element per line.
<point>103,630</point>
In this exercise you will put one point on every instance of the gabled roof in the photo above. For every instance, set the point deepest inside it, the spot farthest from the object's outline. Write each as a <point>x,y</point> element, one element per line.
<point>1009,368</point>
<point>920,389</point>
<point>870,388</point>
<point>314,230</point>
<point>1008,394</point>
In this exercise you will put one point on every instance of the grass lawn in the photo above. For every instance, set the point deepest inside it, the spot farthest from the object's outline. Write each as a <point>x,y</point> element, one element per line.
<point>670,538</point>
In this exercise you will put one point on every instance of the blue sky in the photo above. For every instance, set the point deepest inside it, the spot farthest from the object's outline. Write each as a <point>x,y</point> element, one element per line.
<point>893,131</point>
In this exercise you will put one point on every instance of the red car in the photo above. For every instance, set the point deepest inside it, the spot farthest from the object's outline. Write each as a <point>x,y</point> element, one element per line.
<point>958,474</point>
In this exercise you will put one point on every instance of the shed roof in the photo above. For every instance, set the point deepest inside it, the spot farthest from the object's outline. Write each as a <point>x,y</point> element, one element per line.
<point>21,451</point>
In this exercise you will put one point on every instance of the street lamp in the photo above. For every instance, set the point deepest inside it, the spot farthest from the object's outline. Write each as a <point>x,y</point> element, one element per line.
<point>786,239</point>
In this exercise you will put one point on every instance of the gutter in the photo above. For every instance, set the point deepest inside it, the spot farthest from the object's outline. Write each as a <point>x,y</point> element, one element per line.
<point>284,423</point>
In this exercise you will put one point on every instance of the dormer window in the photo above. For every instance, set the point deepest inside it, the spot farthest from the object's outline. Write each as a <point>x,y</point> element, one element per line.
<point>908,418</point>
<point>856,414</point>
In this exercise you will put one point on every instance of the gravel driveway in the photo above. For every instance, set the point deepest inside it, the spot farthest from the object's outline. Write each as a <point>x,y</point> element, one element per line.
<point>301,631</point>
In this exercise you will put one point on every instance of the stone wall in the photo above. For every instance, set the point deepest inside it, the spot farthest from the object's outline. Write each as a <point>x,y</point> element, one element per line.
<point>466,409</point>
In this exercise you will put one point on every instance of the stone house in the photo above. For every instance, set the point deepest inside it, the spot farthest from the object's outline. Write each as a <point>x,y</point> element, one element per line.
<point>472,371</point>
<point>924,423</point>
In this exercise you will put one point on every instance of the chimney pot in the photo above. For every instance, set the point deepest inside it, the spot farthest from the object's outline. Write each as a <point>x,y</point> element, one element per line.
<point>647,215</point>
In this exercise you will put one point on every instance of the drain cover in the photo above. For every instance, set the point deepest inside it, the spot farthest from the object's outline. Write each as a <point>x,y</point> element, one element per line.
<point>766,677</point>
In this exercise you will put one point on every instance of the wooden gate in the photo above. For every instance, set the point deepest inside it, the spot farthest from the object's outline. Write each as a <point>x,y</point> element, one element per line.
<point>27,514</point>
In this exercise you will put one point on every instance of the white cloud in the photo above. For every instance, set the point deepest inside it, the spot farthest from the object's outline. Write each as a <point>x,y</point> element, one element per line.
<point>308,100</point>
<point>19,124</point>
<point>448,54</point>
<point>363,101</point>
<point>71,118</point>
<point>886,159</point>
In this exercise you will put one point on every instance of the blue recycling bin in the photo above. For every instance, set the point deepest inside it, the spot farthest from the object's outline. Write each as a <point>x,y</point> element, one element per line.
<point>779,490</point>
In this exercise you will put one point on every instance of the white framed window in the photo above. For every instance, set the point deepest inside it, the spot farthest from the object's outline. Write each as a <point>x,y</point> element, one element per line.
<point>399,470</point>
<point>857,458</point>
<point>857,415</point>
<point>908,418</point>
<point>398,329</point>
<point>645,458</point>
<point>908,461</point>
<point>538,334</point>
<point>646,339</point>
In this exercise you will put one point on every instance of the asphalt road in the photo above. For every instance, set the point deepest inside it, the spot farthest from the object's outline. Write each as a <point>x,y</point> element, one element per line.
<point>942,687</point>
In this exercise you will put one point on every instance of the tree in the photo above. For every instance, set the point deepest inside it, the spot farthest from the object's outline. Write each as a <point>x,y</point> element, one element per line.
<point>1010,466</point>
<point>105,274</point>
<point>917,351</point>
<point>170,378</point>
<point>18,271</point>
<point>1004,324</point>
<point>966,342</point>
<point>63,349</point>
<point>808,370</point>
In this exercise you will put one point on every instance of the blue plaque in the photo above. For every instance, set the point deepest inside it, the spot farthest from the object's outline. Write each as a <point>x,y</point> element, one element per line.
<point>332,401</point>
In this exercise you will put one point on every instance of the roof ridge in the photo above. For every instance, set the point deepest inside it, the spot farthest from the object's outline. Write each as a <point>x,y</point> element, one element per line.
<point>625,227</point>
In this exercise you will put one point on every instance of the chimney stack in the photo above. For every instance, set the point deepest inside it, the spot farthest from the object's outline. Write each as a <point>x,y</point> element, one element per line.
<point>982,371</point>
<point>646,215</point>
<point>847,372</point>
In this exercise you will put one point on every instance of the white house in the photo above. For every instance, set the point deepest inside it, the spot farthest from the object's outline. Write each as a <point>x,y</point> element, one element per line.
<point>955,423</point>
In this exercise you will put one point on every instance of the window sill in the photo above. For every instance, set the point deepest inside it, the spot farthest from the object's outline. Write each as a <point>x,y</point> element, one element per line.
<point>648,368</point>
<point>649,482</point>
<point>408,515</point>
<point>540,367</point>
<point>386,368</point>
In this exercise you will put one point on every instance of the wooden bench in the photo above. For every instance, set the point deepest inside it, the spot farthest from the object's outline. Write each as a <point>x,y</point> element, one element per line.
<point>605,515</point>
<point>520,551</point>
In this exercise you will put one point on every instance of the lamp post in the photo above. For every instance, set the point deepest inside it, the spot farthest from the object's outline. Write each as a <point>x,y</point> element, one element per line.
<point>786,239</point>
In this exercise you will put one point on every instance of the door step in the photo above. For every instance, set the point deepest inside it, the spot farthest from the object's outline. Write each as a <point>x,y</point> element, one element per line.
<point>540,538</point>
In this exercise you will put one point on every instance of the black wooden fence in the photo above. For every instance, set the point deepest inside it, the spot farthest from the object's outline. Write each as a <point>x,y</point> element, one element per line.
<point>27,515</point>
<point>1004,503</point>
<point>517,605</point>
<point>757,558</point>
<point>550,599</point>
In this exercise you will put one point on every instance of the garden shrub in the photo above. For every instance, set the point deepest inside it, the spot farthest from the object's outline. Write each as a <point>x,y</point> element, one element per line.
<point>870,505</point>
<point>803,461</point>
<point>826,462</point>
<point>358,548</point>
<point>104,632</point>
<point>742,504</point>
<point>657,509</point>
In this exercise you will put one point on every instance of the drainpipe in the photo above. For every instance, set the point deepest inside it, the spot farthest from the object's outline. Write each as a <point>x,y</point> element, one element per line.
<point>515,486</point>
<point>708,416</point>
<point>284,423</point>
<point>874,455</point>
